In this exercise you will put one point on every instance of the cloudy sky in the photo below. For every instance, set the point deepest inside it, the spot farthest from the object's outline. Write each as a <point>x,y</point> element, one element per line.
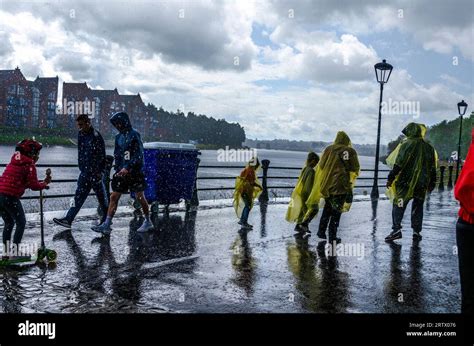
<point>283,69</point>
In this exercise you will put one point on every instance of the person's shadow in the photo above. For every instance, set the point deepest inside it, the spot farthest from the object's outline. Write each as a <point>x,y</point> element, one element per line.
<point>243,263</point>
<point>171,238</point>
<point>334,296</point>
<point>302,263</point>
<point>404,287</point>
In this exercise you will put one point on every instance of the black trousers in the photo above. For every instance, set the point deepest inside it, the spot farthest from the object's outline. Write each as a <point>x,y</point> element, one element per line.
<point>465,242</point>
<point>331,215</point>
<point>416,215</point>
<point>12,213</point>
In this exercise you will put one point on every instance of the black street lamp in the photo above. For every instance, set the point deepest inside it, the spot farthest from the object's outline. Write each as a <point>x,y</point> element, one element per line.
<point>462,107</point>
<point>382,73</point>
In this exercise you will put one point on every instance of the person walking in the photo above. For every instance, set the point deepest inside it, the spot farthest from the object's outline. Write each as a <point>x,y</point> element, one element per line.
<point>128,155</point>
<point>247,188</point>
<point>298,211</point>
<point>334,183</point>
<point>413,174</point>
<point>91,160</point>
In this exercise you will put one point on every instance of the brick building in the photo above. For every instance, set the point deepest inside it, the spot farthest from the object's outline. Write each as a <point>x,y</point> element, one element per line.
<point>105,103</point>
<point>25,103</point>
<point>32,104</point>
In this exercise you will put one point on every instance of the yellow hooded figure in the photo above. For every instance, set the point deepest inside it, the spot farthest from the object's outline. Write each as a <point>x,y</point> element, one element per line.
<point>247,189</point>
<point>413,173</point>
<point>297,209</point>
<point>413,163</point>
<point>336,174</point>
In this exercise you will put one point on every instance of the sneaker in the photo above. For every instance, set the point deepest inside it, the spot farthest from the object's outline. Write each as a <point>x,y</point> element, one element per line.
<point>103,228</point>
<point>246,226</point>
<point>62,222</point>
<point>417,236</point>
<point>394,236</point>
<point>146,226</point>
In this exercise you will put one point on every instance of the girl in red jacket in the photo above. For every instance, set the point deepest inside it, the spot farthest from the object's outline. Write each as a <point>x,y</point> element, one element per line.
<point>19,175</point>
<point>464,193</point>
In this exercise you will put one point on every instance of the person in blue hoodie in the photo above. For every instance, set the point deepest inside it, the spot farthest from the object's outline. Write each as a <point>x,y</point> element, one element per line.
<point>128,175</point>
<point>91,160</point>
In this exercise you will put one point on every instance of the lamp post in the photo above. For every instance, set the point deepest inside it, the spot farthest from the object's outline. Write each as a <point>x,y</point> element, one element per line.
<point>382,73</point>
<point>462,107</point>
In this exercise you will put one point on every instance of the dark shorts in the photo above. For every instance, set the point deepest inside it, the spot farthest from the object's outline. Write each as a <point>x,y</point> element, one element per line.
<point>133,182</point>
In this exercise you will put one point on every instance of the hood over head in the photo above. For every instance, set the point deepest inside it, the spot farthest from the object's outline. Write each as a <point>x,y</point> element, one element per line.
<point>122,119</point>
<point>414,130</point>
<point>342,138</point>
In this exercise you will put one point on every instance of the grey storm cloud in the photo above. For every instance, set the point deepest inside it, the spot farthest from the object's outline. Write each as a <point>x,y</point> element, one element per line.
<point>438,25</point>
<point>5,45</point>
<point>179,32</point>
<point>75,64</point>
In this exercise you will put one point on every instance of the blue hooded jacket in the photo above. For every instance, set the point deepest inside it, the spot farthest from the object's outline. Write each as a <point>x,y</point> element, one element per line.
<point>128,151</point>
<point>91,153</point>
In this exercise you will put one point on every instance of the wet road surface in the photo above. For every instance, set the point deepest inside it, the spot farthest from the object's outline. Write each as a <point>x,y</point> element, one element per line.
<point>201,262</point>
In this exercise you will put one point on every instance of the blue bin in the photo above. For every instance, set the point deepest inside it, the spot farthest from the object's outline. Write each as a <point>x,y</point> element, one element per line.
<point>170,171</point>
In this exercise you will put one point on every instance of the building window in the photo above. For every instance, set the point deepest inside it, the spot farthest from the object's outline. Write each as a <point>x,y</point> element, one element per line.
<point>21,91</point>
<point>97,113</point>
<point>51,114</point>
<point>35,107</point>
<point>12,89</point>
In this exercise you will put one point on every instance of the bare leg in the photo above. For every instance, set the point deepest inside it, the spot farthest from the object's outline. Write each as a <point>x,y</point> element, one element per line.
<point>142,200</point>
<point>114,199</point>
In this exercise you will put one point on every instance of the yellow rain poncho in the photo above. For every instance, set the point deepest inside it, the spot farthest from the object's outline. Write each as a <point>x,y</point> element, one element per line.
<point>336,172</point>
<point>414,162</point>
<point>247,187</point>
<point>297,207</point>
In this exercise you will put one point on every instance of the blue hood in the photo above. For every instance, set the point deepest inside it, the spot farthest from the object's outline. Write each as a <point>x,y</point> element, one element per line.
<point>121,118</point>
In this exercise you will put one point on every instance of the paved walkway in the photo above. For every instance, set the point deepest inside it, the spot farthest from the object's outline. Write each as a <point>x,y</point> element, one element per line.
<point>200,262</point>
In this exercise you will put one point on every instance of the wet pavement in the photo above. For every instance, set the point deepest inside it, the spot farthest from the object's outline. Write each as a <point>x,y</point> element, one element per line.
<point>201,262</point>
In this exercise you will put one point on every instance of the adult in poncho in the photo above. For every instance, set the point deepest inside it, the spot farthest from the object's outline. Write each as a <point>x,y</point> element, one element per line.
<point>298,211</point>
<point>333,183</point>
<point>247,188</point>
<point>413,173</point>
<point>464,193</point>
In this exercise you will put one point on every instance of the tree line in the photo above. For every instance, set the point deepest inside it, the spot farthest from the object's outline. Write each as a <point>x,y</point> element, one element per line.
<point>179,127</point>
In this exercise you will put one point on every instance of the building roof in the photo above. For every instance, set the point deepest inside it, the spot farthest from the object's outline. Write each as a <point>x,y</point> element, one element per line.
<point>6,74</point>
<point>131,98</point>
<point>75,88</point>
<point>104,93</point>
<point>46,81</point>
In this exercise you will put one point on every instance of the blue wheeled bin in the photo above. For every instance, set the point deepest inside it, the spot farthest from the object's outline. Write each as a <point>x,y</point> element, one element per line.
<point>170,172</point>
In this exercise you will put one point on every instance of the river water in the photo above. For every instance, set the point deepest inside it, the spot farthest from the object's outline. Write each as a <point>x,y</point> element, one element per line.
<point>278,158</point>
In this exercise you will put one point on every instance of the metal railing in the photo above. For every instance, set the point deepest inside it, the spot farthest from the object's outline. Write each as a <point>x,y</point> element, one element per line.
<point>264,177</point>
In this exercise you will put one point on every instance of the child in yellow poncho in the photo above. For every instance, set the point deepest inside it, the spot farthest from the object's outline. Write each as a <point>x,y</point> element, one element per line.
<point>298,211</point>
<point>247,188</point>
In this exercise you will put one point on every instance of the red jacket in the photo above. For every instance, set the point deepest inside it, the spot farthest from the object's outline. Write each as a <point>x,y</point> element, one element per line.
<point>464,189</point>
<point>20,174</point>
